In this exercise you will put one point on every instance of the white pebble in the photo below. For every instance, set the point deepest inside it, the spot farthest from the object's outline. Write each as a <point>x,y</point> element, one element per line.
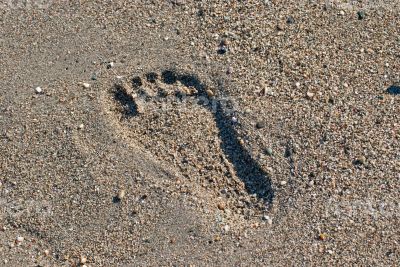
<point>226,228</point>
<point>81,126</point>
<point>283,182</point>
<point>38,90</point>
<point>297,84</point>
<point>86,85</point>
<point>267,219</point>
<point>20,239</point>
<point>234,119</point>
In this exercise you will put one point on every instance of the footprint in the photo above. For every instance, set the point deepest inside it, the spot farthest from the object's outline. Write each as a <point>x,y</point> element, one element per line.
<point>156,106</point>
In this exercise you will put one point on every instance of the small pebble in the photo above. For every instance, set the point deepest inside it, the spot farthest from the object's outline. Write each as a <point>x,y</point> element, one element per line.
<point>310,95</point>
<point>221,206</point>
<point>81,126</point>
<point>227,228</point>
<point>269,151</point>
<point>361,14</point>
<point>20,239</point>
<point>110,65</point>
<point>283,182</point>
<point>234,120</point>
<point>121,194</point>
<point>46,252</point>
<point>210,93</point>
<point>38,90</point>
<point>260,125</point>
<point>222,50</point>
<point>85,85</point>
<point>267,219</point>
<point>83,259</point>
<point>290,20</point>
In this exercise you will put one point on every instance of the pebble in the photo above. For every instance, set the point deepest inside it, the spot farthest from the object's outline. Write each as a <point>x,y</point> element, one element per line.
<point>227,228</point>
<point>283,182</point>
<point>234,120</point>
<point>298,85</point>
<point>260,125</point>
<point>269,151</point>
<point>83,259</point>
<point>222,50</point>
<point>361,14</point>
<point>267,219</point>
<point>46,252</point>
<point>121,194</point>
<point>20,239</point>
<point>210,93</point>
<point>110,65</point>
<point>85,85</point>
<point>221,206</point>
<point>310,95</point>
<point>81,126</point>
<point>290,20</point>
<point>38,90</point>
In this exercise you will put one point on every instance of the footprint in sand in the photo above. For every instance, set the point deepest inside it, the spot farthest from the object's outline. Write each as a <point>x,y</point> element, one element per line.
<point>181,120</point>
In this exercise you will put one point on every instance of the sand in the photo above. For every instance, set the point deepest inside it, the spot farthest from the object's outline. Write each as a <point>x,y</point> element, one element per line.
<point>199,133</point>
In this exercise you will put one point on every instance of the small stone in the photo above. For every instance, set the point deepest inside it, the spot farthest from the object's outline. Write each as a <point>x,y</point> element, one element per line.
<point>46,252</point>
<point>210,93</point>
<point>310,95</point>
<point>267,219</point>
<point>298,85</point>
<point>121,194</point>
<point>221,206</point>
<point>330,251</point>
<point>283,182</point>
<point>342,12</point>
<point>222,50</point>
<point>81,126</point>
<point>360,161</point>
<point>234,120</point>
<point>260,125</point>
<point>38,90</point>
<point>110,65</point>
<point>361,14</point>
<point>322,236</point>
<point>20,239</point>
<point>227,228</point>
<point>229,70</point>
<point>269,151</point>
<point>290,20</point>
<point>83,259</point>
<point>85,85</point>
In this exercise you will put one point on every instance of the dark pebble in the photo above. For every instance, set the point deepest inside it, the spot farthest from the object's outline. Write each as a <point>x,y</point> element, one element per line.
<point>361,15</point>
<point>222,50</point>
<point>290,20</point>
<point>260,125</point>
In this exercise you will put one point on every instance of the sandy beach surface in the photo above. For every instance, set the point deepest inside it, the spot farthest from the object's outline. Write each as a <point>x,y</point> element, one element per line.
<point>199,133</point>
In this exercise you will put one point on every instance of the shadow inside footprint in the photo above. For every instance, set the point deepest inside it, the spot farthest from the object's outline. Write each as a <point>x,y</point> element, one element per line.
<point>394,89</point>
<point>129,107</point>
<point>255,179</point>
